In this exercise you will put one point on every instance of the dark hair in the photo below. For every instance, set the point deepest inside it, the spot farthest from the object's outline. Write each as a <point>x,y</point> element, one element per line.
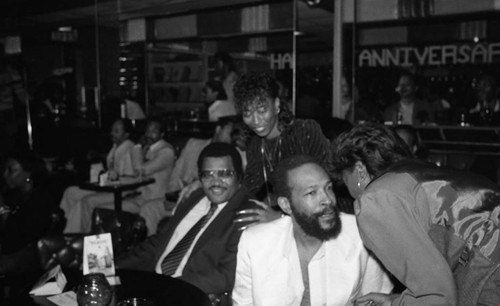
<point>217,86</point>
<point>410,131</point>
<point>31,163</point>
<point>222,149</point>
<point>375,145</point>
<point>157,121</point>
<point>127,125</point>
<point>409,75</point>
<point>226,59</point>
<point>254,88</point>
<point>281,186</point>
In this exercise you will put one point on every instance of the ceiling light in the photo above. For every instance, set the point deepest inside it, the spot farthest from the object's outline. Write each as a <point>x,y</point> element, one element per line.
<point>313,3</point>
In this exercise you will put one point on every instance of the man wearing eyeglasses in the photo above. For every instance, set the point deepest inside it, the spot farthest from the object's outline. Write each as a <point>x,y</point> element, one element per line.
<point>199,243</point>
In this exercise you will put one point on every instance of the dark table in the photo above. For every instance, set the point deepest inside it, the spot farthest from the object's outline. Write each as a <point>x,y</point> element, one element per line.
<point>117,188</point>
<point>158,288</point>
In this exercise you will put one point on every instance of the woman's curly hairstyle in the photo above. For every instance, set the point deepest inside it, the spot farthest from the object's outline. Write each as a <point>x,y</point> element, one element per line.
<point>254,88</point>
<point>375,145</point>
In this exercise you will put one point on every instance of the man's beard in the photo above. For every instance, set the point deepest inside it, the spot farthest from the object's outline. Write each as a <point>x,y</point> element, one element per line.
<point>310,224</point>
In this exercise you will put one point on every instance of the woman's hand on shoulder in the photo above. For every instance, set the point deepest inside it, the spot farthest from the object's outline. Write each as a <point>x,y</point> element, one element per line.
<point>188,190</point>
<point>252,216</point>
<point>376,299</point>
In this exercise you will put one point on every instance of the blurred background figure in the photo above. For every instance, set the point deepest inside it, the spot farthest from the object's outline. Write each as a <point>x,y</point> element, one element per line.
<point>118,164</point>
<point>411,107</point>
<point>26,215</point>
<point>216,98</point>
<point>486,111</point>
<point>227,73</point>
<point>50,101</point>
<point>354,109</point>
<point>151,157</point>
<point>12,98</point>
<point>348,99</point>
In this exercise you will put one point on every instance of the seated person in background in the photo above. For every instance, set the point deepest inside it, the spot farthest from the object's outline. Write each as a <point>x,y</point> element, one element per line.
<point>25,211</point>
<point>153,157</point>
<point>410,109</point>
<point>219,106</point>
<point>349,97</point>
<point>185,172</point>
<point>118,163</point>
<point>314,255</point>
<point>199,242</point>
<point>226,72</point>
<point>486,111</point>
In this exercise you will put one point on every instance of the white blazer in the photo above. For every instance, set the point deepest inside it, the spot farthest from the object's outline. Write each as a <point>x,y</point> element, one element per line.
<point>157,163</point>
<point>119,158</point>
<point>268,268</point>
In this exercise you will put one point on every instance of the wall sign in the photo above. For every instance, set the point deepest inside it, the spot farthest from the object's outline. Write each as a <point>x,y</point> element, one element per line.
<point>280,61</point>
<point>481,53</point>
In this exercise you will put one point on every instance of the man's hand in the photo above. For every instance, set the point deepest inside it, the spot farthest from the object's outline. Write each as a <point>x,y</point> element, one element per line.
<point>376,299</point>
<point>252,216</point>
<point>112,175</point>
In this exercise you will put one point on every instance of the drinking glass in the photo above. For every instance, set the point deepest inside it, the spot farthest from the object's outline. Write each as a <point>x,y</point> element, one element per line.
<point>94,290</point>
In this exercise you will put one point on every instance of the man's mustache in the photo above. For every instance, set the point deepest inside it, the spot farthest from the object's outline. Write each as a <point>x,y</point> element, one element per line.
<point>329,211</point>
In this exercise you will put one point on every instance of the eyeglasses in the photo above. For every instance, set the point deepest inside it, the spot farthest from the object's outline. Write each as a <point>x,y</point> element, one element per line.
<point>223,174</point>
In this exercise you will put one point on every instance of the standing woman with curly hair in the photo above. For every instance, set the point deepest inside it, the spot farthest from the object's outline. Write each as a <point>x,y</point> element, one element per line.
<point>276,135</point>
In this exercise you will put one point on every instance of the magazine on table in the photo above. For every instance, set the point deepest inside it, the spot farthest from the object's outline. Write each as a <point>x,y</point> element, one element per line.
<point>98,256</point>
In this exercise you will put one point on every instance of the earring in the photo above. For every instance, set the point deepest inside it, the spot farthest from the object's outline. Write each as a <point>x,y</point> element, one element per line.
<point>359,184</point>
<point>28,179</point>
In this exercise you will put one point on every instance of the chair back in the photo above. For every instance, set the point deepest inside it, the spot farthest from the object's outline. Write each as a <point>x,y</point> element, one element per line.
<point>65,250</point>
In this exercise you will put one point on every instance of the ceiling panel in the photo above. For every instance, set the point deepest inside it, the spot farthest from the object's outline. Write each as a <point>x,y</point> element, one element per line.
<point>314,22</point>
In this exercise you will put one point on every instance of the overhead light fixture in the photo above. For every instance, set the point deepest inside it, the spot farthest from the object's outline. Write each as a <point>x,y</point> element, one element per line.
<point>65,29</point>
<point>313,3</point>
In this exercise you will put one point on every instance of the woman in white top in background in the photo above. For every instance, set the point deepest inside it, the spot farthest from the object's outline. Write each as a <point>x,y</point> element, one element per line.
<point>219,106</point>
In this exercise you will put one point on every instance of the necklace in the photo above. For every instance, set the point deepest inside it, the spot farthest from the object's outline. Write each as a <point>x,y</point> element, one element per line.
<point>269,157</point>
<point>267,161</point>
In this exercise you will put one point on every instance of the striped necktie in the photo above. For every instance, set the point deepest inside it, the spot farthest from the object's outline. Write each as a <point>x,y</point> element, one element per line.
<point>172,260</point>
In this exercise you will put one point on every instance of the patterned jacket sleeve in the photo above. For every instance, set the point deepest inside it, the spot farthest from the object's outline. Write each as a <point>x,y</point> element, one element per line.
<point>393,230</point>
<point>315,144</point>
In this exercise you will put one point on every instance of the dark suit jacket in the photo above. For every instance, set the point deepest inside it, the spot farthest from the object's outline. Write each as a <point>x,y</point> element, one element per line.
<point>212,264</point>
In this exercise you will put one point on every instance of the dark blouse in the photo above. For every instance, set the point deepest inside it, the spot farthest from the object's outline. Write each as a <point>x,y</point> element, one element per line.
<point>303,137</point>
<point>28,221</point>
